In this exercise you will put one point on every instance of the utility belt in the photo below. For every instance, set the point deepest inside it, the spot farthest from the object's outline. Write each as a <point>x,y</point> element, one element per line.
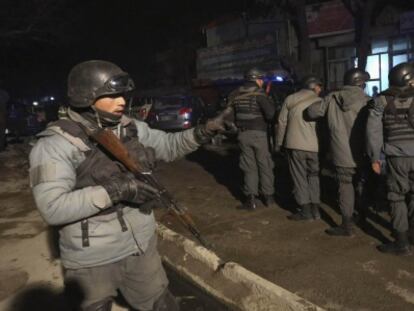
<point>118,209</point>
<point>243,129</point>
<point>112,209</point>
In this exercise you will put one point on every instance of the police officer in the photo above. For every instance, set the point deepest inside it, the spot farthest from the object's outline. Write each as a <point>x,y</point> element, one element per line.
<point>107,237</point>
<point>299,137</point>
<point>4,98</point>
<point>390,129</point>
<point>346,118</point>
<point>253,110</point>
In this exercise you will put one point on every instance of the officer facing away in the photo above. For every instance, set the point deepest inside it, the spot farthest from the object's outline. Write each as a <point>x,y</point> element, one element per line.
<point>4,98</point>
<point>346,122</point>
<point>299,137</point>
<point>253,110</point>
<point>107,232</point>
<point>390,128</point>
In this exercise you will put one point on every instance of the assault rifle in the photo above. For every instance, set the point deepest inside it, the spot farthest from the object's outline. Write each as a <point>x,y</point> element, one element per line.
<point>108,140</point>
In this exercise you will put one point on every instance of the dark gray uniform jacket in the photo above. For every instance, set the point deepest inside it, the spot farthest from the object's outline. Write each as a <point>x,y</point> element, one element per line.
<point>293,131</point>
<point>346,119</point>
<point>376,142</point>
<point>53,172</point>
<point>254,111</point>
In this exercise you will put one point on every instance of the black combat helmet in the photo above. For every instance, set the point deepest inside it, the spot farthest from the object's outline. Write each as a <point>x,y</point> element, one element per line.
<point>92,79</point>
<point>254,73</point>
<point>401,75</point>
<point>310,82</point>
<point>356,77</point>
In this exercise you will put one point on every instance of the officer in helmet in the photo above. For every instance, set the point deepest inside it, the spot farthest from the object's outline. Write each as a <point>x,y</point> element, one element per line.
<point>253,110</point>
<point>107,229</point>
<point>390,129</point>
<point>346,119</point>
<point>299,138</point>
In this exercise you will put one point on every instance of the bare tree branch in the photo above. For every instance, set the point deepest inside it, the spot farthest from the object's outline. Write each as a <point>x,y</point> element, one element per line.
<point>31,20</point>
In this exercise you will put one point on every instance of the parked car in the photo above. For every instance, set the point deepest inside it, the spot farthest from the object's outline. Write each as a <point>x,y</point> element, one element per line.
<point>176,112</point>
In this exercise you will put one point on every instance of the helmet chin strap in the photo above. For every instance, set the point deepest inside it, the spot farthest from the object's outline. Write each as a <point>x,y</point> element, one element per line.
<point>106,119</point>
<point>98,118</point>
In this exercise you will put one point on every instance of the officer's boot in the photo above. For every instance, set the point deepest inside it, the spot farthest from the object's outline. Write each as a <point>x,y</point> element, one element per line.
<point>411,235</point>
<point>315,211</point>
<point>399,247</point>
<point>411,231</point>
<point>304,214</point>
<point>346,228</point>
<point>249,203</point>
<point>269,201</point>
<point>166,302</point>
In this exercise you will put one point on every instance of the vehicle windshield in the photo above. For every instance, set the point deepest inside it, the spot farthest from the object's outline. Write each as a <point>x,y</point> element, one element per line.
<point>168,102</point>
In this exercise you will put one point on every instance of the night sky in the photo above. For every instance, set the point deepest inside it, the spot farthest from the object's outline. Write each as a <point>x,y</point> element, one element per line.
<point>42,39</point>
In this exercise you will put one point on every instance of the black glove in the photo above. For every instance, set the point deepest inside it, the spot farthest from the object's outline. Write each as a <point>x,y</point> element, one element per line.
<point>277,148</point>
<point>125,187</point>
<point>145,156</point>
<point>150,159</point>
<point>204,132</point>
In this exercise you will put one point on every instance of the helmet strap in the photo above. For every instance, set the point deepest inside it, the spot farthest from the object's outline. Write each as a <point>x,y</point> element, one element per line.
<point>98,119</point>
<point>105,119</point>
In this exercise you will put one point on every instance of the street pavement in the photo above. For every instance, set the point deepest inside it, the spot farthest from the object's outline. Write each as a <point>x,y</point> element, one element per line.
<point>334,273</point>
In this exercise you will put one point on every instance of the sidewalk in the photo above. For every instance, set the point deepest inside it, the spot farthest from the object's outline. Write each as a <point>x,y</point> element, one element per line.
<point>335,274</point>
<point>31,274</point>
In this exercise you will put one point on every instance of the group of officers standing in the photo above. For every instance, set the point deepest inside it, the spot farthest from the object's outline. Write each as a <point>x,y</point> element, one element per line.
<point>107,236</point>
<point>361,130</point>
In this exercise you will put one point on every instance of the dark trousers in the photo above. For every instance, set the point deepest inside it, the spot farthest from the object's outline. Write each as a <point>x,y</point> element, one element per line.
<point>400,183</point>
<point>2,132</point>
<point>256,163</point>
<point>353,189</point>
<point>141,280</point>
<point>304,169</point>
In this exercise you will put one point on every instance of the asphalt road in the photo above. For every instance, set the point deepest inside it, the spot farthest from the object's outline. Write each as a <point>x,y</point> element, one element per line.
<point>334,273</point>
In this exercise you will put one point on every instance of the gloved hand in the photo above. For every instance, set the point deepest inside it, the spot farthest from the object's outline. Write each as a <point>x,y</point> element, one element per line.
<point>204,132</point>
<point>276,148</point>
<point>150,159</point>
<point>279,150</point>
<point>145,156</point>
<point>125,187</point>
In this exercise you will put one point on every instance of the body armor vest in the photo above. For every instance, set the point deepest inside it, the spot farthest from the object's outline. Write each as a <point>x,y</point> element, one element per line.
<point>399,119</point>
<point>248,113</point>
<point>97,167</point>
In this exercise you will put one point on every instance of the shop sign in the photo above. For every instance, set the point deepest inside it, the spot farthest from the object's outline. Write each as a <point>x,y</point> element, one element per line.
<point>407,22</point>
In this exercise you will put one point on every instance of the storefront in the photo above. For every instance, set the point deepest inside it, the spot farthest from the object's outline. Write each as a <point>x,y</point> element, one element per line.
<point>385,54</point>
<point>392,42</point>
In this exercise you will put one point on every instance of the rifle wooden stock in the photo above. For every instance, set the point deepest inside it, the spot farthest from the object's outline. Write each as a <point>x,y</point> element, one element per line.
<point>111,143</point>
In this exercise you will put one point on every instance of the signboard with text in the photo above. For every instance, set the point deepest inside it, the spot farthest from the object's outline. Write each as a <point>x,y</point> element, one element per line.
<point>328,18</point>
<point>407,22</point>
<point>231,60</point>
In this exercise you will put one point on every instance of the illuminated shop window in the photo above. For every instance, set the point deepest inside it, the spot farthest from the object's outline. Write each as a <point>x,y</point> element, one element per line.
<point>384,71</point>
<point>379,46</point>
<point>373,66</point>
<point>373,88</point>
<point>400,44</point>
<point>398,59</point>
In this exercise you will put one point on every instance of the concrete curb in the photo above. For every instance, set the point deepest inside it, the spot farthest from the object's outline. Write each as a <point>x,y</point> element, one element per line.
<point>235,286</point>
